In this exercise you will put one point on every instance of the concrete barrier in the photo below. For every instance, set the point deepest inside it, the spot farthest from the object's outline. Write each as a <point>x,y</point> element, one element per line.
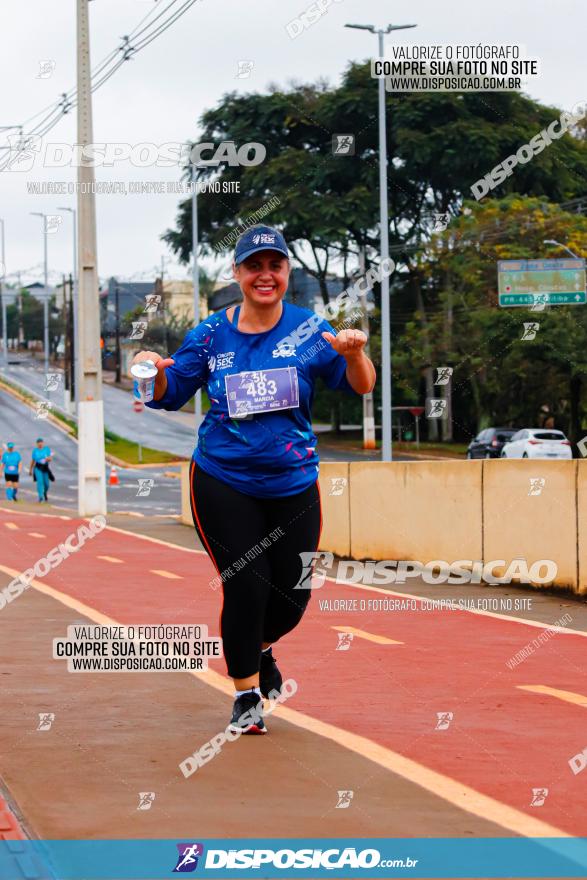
<point>420,510</point>
<point>335,498</point>
<point>530,512</point>
<point>581,504</point>
<point>455,510</point>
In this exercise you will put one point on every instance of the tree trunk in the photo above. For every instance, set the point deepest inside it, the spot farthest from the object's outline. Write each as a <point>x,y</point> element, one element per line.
<point>575,423</point>
<point>323,289</point>
<point>477,401</point>
<point>447,423</point>
<point>431,424</point>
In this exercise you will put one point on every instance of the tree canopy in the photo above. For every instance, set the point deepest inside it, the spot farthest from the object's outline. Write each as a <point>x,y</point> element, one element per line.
<point>444,305</point>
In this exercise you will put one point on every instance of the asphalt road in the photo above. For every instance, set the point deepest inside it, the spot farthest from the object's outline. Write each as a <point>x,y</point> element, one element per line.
<point>19,424</point>
<point>171,432</point>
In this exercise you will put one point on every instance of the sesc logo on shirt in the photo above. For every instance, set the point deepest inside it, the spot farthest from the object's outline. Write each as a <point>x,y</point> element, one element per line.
<point>221,361</point>
<point>284,349</point>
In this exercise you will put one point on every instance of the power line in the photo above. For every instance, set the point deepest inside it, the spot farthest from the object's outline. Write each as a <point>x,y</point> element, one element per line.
<point>172,20</point>
<point>136,32</point>
<point>95,72</point>
<point>126,49</point>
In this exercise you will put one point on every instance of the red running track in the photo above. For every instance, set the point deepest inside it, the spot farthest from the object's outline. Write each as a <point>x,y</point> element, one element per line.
<point>502,741</point>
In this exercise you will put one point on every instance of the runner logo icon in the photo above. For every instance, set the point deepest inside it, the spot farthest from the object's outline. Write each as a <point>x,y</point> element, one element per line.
<point>308,559</point>
<point>187,860</point>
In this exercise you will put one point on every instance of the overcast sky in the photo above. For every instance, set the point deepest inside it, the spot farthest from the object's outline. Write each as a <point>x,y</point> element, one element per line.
<point>159,95</point>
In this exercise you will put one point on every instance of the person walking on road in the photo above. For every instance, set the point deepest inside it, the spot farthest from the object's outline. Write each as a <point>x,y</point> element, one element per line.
<point>255,499</point>
<point>39,468</point>
<point>11,464</point>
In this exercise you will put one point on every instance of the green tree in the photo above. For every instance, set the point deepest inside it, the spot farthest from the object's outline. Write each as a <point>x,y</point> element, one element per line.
<point>498,377</point>
<point>438,146</point>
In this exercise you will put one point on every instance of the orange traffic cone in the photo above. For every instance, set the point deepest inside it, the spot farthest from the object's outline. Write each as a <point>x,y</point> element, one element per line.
<point>113,481</point>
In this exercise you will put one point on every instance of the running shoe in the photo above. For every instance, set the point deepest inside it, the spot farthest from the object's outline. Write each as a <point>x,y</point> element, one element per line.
<point>247,714</point>
<point>270,678</point>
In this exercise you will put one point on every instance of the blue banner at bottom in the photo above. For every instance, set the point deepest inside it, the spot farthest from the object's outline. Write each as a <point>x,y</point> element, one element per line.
<point>382,858</point>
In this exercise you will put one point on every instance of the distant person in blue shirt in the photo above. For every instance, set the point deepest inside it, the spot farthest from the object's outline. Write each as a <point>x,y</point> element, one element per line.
<point>254,494</point>
<point>11,464</point>
<point>39,468</point>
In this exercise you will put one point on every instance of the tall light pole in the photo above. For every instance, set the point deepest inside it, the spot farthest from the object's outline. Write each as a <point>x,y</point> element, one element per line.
<point>196,281</point>
<point>386,411</point>
<point>368,399</point>
<point>563,246</point>
<point>73,212</point>
<point>46,290</point>
<point>3,295</point>
<point>90,410</point>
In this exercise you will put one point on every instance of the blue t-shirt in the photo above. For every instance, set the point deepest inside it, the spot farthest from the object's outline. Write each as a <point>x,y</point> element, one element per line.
<point>11,461</point>
<point>268,454</point>
<point>40,454</point>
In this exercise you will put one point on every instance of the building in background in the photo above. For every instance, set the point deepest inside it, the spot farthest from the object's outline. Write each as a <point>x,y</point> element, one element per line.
<point>131,295</point>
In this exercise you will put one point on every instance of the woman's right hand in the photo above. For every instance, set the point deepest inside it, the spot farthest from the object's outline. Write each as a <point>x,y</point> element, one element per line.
<point>161,363</point>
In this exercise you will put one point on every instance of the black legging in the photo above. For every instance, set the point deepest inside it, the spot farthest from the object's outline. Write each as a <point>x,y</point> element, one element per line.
<point>255,544</point>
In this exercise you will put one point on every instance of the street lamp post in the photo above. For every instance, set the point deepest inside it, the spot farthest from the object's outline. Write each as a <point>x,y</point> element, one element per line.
<point>196,282</point>
<point>73,212</point>
<point>563,246</point>
<point>386,412</point>
<point>46,290</point>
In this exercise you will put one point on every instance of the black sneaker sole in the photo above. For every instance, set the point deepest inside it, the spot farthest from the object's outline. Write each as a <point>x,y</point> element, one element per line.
<point>253,730</point>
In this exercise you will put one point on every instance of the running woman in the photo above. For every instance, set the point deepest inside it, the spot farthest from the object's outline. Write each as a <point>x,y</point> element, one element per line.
<point>11,463</point>
<point>39,468</point>
<point>254,494</point>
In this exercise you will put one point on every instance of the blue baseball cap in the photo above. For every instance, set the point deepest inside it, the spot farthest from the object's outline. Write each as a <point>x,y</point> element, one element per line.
<point>260,238</point>
<point>10,445</point>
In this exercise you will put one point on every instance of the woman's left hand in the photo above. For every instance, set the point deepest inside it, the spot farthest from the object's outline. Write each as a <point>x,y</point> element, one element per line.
<point>348,343</point>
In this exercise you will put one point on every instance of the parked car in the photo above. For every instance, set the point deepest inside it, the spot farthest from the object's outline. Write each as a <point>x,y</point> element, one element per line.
<point>537,443</point>
<point>489,443</point>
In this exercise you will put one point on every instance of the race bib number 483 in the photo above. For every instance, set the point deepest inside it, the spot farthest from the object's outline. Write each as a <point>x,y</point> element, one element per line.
<point>258,391</point>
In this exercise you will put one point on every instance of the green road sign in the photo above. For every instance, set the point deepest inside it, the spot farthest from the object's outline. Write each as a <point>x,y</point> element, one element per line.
<point>541,282</point>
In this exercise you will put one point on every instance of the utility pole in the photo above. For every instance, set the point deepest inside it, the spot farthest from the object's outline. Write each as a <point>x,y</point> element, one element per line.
<point>117,332</point>
<point>73,212</point>
<point>196,280</point>
<point>2,296</point>
<point>164,309</point>
<point>91,463</point>
<point>368,411</point>
<point>66,349</point>
<point>447,423</point>
<point>71,337</point>
<point>45,290</point>
<point>20,318</point>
